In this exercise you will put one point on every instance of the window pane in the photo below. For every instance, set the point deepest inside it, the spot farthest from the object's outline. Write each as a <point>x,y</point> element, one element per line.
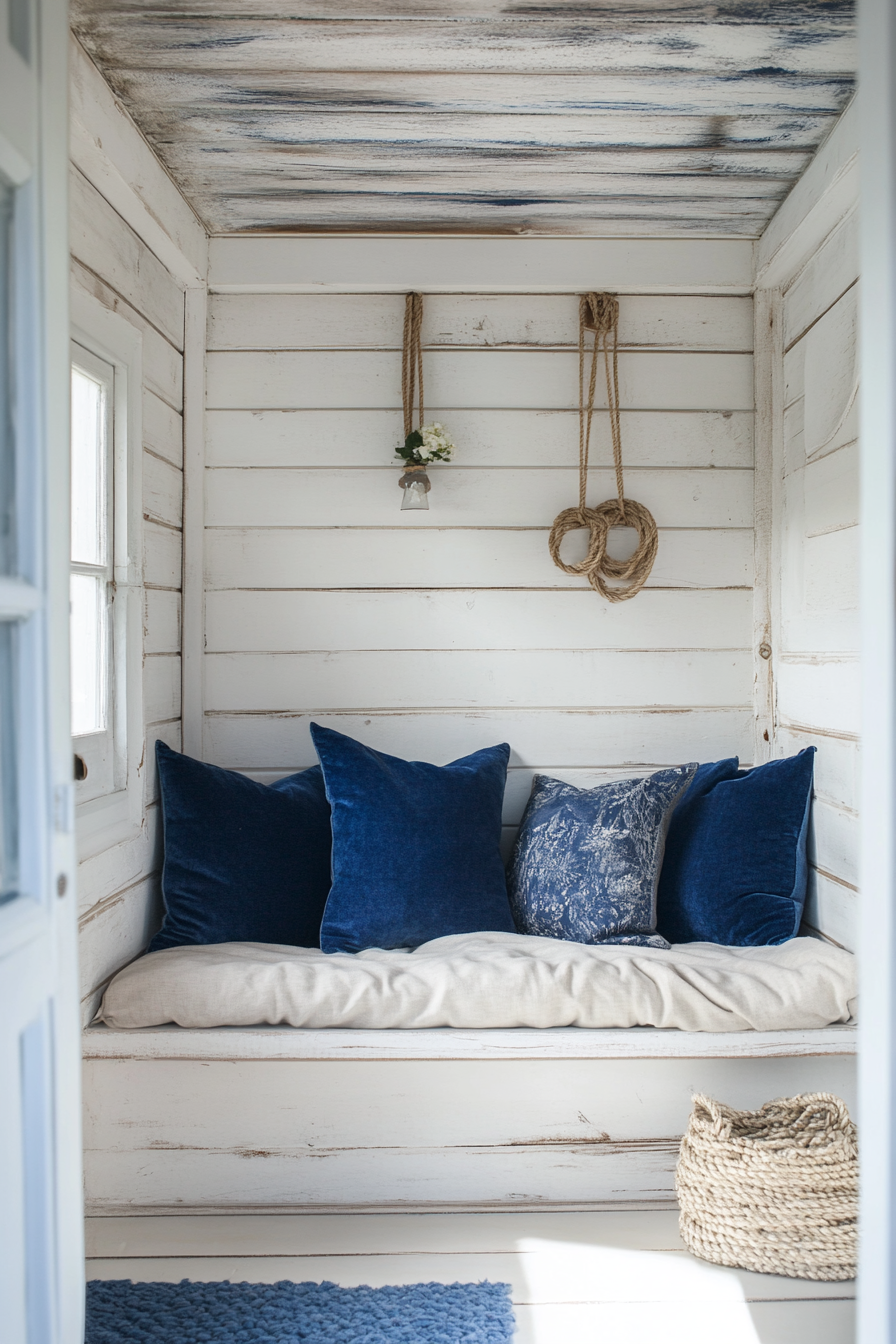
<point>88,470</point>
<point>88,654</point>
<point>7,440</point>
<point>9,855</point>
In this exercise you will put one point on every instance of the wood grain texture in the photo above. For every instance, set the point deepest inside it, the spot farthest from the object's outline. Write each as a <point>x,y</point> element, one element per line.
<point>385,557</point>
<point>579,738</point>
<point>482,120</point>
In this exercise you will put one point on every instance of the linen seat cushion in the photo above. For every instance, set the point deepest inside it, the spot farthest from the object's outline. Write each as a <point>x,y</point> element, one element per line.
<point>416,847</point>
<point>244,862</point>
<point>735,870</point>
<point>587,861</point>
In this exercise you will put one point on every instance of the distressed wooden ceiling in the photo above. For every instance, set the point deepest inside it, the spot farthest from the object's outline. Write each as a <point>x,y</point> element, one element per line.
<point>509,116</point>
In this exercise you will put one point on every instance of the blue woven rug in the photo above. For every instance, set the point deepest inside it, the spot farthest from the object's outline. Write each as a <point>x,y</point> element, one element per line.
<point>121,1312</point>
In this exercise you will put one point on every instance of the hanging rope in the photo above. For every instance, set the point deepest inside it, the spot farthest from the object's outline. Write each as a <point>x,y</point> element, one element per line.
<point>600,313</point>
<point>412,361</point>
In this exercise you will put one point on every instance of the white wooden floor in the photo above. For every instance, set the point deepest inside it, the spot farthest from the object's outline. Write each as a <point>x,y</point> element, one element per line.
<point>577,1278</point>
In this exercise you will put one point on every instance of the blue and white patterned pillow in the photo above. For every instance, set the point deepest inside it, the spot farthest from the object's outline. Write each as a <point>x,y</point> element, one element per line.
<point>587,861</point>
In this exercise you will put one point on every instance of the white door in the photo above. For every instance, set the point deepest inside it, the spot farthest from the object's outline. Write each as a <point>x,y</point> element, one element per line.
<point>41,1264</point>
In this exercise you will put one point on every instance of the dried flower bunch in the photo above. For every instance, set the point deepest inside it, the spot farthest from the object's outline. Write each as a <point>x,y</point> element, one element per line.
<point>429,443</point>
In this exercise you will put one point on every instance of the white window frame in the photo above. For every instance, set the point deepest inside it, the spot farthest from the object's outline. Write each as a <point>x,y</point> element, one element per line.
<point>115,814</point>
<point>104,752</point>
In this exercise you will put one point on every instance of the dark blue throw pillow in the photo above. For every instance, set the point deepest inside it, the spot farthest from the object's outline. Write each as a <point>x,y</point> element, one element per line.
<point>244,862</point>
<point>416,847</point>
<point>735,869</point>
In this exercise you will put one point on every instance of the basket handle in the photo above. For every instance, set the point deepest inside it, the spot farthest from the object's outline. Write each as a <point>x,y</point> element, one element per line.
<point>707,1108</point>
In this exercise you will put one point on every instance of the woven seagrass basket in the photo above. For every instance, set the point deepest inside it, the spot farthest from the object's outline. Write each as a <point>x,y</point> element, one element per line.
<point>773,1190</point>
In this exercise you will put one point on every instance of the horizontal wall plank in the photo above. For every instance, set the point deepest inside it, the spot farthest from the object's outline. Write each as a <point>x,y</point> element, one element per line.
<point>109,247</point>
<point>827,275</point>
<point>454,558</point>
<point>113,933</point>
<point>480,265</point>
<point>832,907</point>
<point>538,44</point>
<point>822,691</point>
<point>163,429</point>
<point>820,603</point>
<point>162,556</point>
<point>837,762</point>
<point>483,437</point>
<point>110,870</point>
<point>468,498</point>
<point>600,92</point>
<point>831,492</point>
<point>169,733</point>
<point>161,621</point>
<point>163,490</point>
<point>833,843</point>
<point>489,378</point>
<point>161,687</point>
<point>584,738</point>
<point>259,621</point>
<point>461,680</point>
<point>163,365</point>
<point>374,321</point>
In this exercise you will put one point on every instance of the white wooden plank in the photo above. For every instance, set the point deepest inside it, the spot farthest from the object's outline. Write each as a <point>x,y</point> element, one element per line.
<point>494,378</point>
<point>161,688</point>
<point>824,195</point>
<point>162,490</point>
<point>479,265</point>
<point>468,497</point>
<point>820,597</point>
<point>827,275</point>
<point>830,410</point>
<point>537,1271</point>
<point>170,733</point>
<point>113,155</point>
<point>162,560</point>
<point>837,762</point>
<point>289,621</point>
<point>454,558</point>
<point>832,908</point>
<point>833,843</point>
<point>820,689</point>
<point>600,92</point>
<point>111,870</point>
<point>565,737</point>
<point>106,245</point>
<point>162,362</point>
<point>525,1133</point>
<point>163,429</point>
<point>161,621</point>
<point>374,321</point>
<point>577,45</point>
<point>112,933</point>
<point>461,680</point>
<point>487,437</point>
<point>553,1043</point>
<point>830,488</point>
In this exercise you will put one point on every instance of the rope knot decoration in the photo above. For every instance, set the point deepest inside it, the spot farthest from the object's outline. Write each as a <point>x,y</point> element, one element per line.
<point>424,443</point>
<point>599,313</point>
<point>773,1190</point>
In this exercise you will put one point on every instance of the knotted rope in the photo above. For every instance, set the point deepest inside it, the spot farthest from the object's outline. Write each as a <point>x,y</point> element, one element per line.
<point>773,1190</point>
<point>412,361</point>
<point>600,313</point>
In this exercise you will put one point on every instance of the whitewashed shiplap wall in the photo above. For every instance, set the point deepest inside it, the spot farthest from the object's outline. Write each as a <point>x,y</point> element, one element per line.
<point>816,482</point>
<point>118,883</point>
<point>429,635</point>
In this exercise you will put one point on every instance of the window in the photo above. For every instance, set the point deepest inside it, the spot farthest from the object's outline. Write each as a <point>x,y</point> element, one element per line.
<point>92,573</point>
<point>106,658</point>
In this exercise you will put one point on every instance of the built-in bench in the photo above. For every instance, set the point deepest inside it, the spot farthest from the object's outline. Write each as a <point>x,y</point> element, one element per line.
<point>280,1118</point>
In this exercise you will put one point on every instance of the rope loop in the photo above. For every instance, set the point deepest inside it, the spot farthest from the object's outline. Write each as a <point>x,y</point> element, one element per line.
<point>412,360</point>
<point>599,313</point>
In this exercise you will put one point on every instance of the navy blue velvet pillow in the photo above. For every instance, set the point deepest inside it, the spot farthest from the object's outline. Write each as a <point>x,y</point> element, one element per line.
<point>416,847</point>
<point>735,869</point>
<point>244,862</point>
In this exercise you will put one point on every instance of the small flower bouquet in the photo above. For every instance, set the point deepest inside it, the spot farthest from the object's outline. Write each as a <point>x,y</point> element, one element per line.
<point>429,443</point>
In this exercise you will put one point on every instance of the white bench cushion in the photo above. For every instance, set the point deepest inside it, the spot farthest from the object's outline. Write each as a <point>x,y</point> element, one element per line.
<point>486,980</point>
